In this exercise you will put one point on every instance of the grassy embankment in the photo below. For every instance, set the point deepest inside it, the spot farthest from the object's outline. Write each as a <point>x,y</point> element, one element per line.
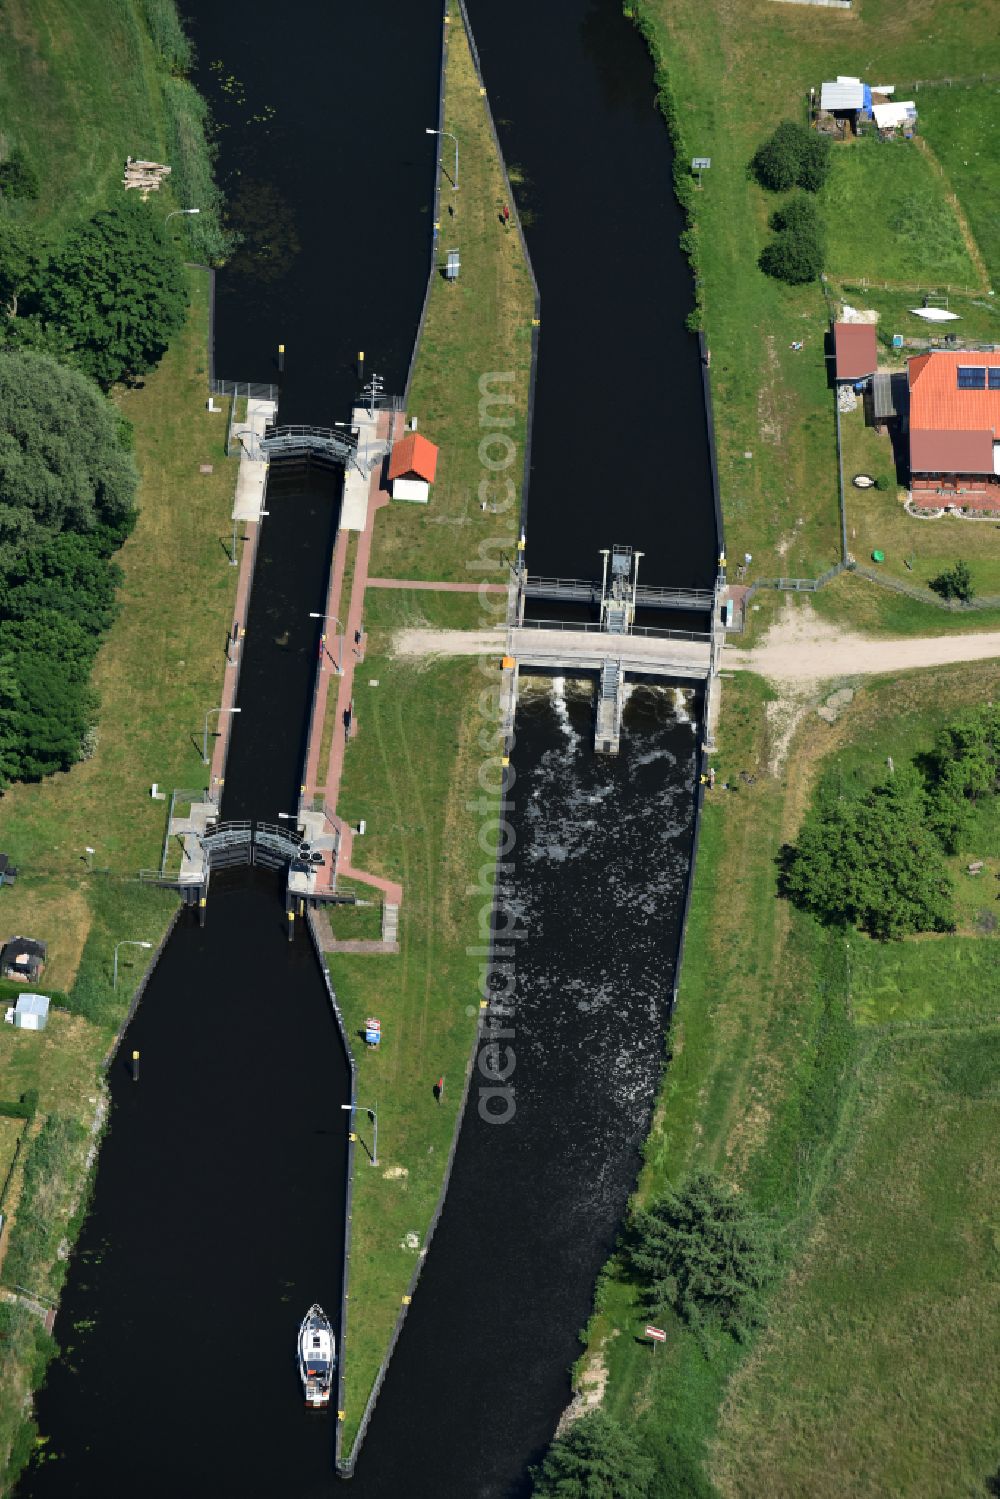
<point>476,326</point>
<point>414,765</point>
<point>83,84</point>
<point>734,72</point>
<point>159,666</point>
<point>807,1067</point>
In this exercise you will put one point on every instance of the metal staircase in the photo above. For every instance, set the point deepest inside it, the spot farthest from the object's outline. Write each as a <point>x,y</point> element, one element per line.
<point>610,702</point>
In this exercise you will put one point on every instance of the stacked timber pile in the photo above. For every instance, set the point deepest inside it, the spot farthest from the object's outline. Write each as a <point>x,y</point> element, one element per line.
<point>146,176</point>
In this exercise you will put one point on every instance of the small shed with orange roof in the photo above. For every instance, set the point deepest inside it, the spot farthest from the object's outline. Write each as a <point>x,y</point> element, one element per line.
<point>412,467</point>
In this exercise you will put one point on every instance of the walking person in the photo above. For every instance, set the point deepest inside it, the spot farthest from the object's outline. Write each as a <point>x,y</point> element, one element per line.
<point>506,215</point>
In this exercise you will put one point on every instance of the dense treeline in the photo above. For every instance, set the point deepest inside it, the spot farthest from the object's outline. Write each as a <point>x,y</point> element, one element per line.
<point>876,859</point>
<point>98,307</point>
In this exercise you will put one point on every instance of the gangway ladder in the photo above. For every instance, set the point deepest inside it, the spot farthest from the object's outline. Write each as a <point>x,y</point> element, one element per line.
<point>618,596</point>
<point>610,703</point>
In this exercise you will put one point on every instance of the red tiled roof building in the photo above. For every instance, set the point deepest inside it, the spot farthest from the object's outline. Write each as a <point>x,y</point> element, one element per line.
<point>955,429</point>
<point>856,348</point>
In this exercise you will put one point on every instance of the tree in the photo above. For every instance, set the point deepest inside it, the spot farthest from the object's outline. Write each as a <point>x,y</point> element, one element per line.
<point>20,259</point>
<point>796,253</point>
<point>702,1251</point>
<point>793,156</point>
<point>18,178</point>
<point>872,861</point>
<point>117,290</point>
<point>963,766</point>
<point>595,1459</point>
<point>794,258</point>
<point>955,583</point>
<point>65,463</point>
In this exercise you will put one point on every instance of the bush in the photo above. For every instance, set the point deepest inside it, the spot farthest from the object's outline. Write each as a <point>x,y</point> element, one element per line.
<point>963,766</point>
<point>796,253</point>
<point>955,583</point>
<point>65,463</point>
<point>792,258</point>
<point>883,482</point>
<point>116,290</point>
<point>793,156</point>
<point>595,1457</point>
<point>18,178</point>
<point>872,861</point>
<point>703,1252</point>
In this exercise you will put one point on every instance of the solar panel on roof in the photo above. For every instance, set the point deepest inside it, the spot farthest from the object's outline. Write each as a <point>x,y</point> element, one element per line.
<point>993,377</point>
<point>972,377</point>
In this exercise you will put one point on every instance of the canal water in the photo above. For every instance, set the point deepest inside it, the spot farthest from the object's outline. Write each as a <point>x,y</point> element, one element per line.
<point>217,1214</point>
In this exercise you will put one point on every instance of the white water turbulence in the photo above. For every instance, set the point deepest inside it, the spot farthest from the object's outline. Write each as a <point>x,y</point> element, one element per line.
<point>600,871</point>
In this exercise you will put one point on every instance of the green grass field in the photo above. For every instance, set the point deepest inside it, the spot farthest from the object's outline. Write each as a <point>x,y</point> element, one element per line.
<point>409,773</point>
<point>476,326</point>
<point>858,604</point>
<point>813,1069</point>
<point>887,217</point>
<point>963,127</point>
<point>735,72</point>
<point>878,1369</point>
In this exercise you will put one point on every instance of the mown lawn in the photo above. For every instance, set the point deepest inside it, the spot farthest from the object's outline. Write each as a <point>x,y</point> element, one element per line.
<point>409,773</point>
<point>858,604</point>
<point>963,127</point>
<point>476,326</point>
<point>887,217</point>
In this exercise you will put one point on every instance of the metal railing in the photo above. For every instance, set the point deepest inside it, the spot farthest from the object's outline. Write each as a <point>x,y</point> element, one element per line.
<point>591,627</point>
<point>339,444</point>
<point>583,590</point>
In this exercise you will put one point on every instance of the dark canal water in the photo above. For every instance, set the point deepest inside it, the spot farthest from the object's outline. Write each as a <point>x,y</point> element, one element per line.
<point>217,1214</point>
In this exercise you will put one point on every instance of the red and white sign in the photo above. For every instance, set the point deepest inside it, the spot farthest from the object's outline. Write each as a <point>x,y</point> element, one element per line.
<point>657,1334</point>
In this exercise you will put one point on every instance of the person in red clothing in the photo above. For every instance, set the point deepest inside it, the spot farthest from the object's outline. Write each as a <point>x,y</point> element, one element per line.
<point>506,216</point>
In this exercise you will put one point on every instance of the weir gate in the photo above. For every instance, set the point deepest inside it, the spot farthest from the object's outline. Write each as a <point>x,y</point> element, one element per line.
<point>614,646</point>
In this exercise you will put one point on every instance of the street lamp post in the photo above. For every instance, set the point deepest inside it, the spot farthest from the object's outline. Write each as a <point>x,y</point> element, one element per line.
<point>125,943</point>
<point>204,742</point>
<point>373,1116</point>
<point>454,185</point>
<point>322,639</point>
<point>175,211</point>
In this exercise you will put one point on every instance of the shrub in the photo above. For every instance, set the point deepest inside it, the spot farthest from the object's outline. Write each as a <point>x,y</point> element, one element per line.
<point>18,178</point>
<point>872,861</point>
<point>595,1456</point>
<point>702,1251</point>
<point>883,482</point>
<point>793,156</point>
<point>117,291</point>
<point>955,583</point>
<point>792,258</point>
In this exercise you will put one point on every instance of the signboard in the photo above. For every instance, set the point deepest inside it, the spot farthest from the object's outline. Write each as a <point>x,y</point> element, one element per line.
<point>700,163</point>
<point>373,1031</point>
<point>657,1334</point>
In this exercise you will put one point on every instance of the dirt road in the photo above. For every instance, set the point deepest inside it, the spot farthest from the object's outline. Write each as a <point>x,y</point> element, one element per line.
<point>800,647</point>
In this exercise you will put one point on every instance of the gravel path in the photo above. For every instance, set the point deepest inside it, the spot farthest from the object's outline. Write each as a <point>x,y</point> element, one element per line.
<point>799,648</point>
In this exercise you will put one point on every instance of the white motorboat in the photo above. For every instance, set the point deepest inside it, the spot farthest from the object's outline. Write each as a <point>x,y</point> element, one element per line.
<point>317,1357</point>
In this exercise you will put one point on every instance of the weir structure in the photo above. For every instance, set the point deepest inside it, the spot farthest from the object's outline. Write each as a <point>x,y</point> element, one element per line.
<point>614,646</point>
